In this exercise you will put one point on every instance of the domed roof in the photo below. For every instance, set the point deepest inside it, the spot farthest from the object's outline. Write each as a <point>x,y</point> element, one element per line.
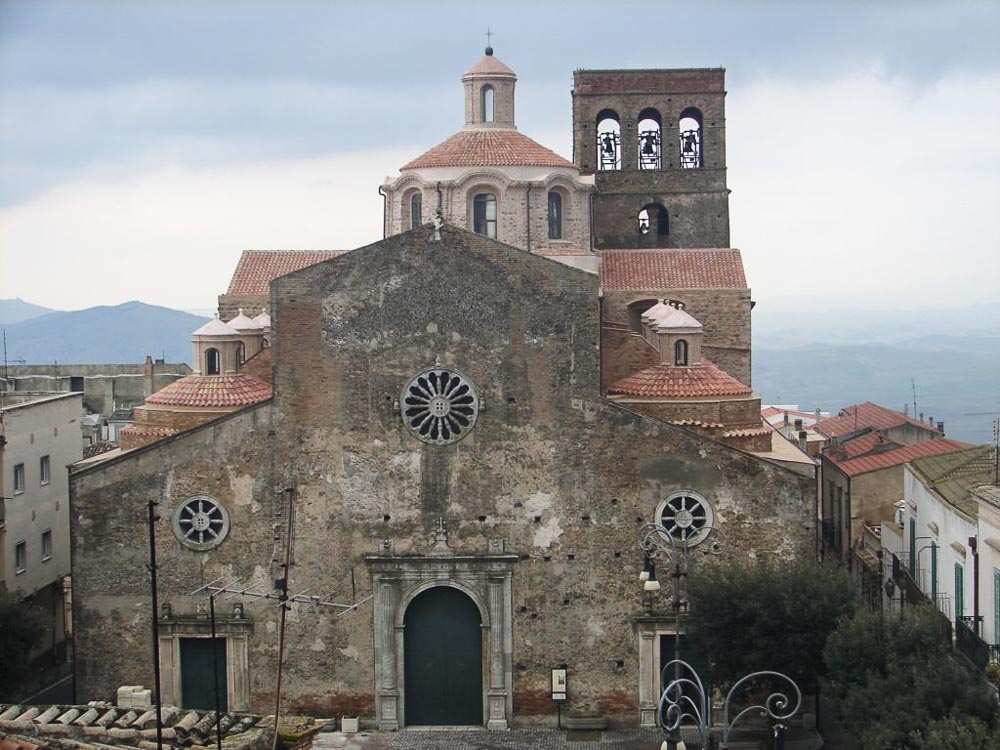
<point>216,327</point>
<point>667,381</point>
<point>677,318</point>
<point>263,320</point>
<point>213,391</point>
<point>495,147</point>
<point>242,323</point>
<point>488,65</point>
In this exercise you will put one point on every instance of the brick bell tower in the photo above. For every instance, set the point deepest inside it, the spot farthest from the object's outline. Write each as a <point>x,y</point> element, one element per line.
<point>656,142</point>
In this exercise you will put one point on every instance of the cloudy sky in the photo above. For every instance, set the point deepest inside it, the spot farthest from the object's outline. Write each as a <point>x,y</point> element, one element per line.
<point>143,145</point>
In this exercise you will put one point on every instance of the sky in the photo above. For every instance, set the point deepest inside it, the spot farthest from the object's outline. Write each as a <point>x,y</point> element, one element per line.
<point>144,145</point>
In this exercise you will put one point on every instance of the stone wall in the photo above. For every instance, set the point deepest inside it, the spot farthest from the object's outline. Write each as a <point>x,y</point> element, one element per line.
<point>540,503</point>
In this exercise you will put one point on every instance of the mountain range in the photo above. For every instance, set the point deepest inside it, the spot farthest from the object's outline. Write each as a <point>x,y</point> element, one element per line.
<point>121,334</point>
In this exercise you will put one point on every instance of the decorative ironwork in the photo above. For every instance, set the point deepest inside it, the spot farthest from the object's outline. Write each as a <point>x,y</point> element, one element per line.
<point>649,149</point>
<point>440,406</point>
<point>201,522</point>
<point>609,150</point>
<point>690,145</point>
<point>677,707</point>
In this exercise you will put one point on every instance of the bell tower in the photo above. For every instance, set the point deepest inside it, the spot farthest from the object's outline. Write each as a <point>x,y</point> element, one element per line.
<point>655,140</point>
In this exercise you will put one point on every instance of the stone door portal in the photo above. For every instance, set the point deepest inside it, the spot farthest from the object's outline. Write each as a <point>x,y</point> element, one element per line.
<point>443,653</point>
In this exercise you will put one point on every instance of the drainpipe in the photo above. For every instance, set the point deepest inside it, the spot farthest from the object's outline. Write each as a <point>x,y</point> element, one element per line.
<point>528,202</point>
<point>385,211</point>
<point>438,188</point>
<point>591,204</point>
<point>974,546</point>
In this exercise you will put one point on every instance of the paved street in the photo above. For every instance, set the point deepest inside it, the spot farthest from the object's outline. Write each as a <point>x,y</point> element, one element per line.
<point>478,739</point>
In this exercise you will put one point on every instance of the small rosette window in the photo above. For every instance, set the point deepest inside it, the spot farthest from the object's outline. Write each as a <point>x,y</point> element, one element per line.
<point>439,406</point>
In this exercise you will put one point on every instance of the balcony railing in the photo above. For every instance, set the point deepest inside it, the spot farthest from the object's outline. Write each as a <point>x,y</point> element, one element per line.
<point>969,643</point>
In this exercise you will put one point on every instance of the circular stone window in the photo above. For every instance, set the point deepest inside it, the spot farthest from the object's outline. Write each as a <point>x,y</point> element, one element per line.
<point>201,522</point>
<point>439,406</point>
<point>686,518</point>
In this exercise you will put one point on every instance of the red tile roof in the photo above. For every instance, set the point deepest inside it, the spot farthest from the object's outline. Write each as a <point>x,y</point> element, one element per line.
<point>492,147</point>
<point>148,430</point>
<point>488,65</point>
<point>894,457</point>
<point>258,268</point>
<point>706,268</point>
<point>212,390</point>
<point>857,417</point>
<point>679,382</point>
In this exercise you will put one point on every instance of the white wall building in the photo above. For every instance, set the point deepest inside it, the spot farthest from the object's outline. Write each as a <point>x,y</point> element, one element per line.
<point>39,437</point>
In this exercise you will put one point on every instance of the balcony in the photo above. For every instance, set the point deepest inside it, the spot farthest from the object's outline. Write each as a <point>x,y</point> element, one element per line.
<point>969,643</point>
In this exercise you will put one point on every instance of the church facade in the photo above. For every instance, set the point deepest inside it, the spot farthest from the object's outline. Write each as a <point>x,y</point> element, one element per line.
<point>448,477</point>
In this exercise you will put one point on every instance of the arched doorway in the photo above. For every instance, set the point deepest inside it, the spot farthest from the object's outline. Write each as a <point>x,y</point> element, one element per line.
<point>443,659</point>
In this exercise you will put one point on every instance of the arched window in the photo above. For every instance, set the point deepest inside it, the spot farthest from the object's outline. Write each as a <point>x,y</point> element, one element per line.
<point>650,141</point>
<point>690,139</point>
<point>653,219</point>
<point>241,354</point>
<point>213,364</point>
<point>681,352</point>
<point>484,215</point>
<point>488,96</point>
<point>555,215</point>
<point>264,343</point>
<point>609,132</point>
<point>416,208</point>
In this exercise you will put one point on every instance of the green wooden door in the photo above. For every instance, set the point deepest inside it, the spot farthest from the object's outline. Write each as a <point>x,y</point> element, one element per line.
<point>443,666</point>
<point>197,675</point>
<point>959,591</point>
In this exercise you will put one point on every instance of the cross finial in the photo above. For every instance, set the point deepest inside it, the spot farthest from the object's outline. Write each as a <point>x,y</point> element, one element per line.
<point>489,45</point>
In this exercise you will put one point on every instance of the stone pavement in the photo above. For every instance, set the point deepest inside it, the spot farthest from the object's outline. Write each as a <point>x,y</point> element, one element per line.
<point>479,739</point>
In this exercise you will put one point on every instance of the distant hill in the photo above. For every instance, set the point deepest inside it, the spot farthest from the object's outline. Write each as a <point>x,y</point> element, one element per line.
<point>116,335</point>
<point>17,310</point>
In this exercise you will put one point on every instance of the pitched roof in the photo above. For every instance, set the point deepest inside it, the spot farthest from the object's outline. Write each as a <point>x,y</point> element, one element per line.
<point>870,461</point>
<point>953,475</point>
<point>857,417</point>
<point>667,381</point>
<point>488,147</point>
<point>213,390</point>
<point>256,269</point>
<point>702,268</point>
<point>216,327</point>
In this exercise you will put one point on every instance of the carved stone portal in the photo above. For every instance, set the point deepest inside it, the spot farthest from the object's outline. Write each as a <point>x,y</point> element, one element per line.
<point>486,579</point>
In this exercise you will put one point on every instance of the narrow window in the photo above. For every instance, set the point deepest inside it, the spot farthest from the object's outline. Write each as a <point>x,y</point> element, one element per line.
<point>555,215</point>
<point>44,470</point>
<point>959,592</point>
<point>681,352</point>
<point>20,557</point>
<point>484,215</point>
<point>488,96</point>
<point>934,588</point>
<point>212,363</point>
<point>690,139</point>
<point>416,208</point>
<point>18,478</point>
<point>241,354</point>
<point>649,156</point>
<point>913,546</point>
<point>46,545</point>
<point>609,133</point>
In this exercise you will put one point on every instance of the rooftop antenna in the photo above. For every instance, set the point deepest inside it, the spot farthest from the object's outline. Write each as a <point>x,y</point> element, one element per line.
<point>913,385</point>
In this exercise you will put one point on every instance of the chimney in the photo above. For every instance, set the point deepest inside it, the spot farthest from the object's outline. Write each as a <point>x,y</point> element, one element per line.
<point>818,414</point>
<point>802,440</point>
<point>786,418</point>
<point>921,420</point>
<point>147,371</point>
<point>940,428</point>
<point>798,425</point>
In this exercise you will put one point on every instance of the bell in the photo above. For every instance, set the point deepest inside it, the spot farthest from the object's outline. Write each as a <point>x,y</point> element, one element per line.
<point>689,144</point>
<point>647,146</point>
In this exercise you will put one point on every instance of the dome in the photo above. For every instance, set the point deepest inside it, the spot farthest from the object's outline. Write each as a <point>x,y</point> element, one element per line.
<point>230,390</point>
<point>216,327</point>
<point>664,381</point>
<point>489,148</point>
<point>242,323</point>
<point>677,318</point>
<point>263,320</point>
<point>488,65</point>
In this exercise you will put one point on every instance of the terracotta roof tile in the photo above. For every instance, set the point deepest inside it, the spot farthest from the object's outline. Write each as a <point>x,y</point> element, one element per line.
<point>895,457</point>
<point>148,431</point>
<point>488,65</point>
<point>492,147</point>
<point>857,417</point>
<point>679,382</point>
<point>212,390</point>
<point>256,269</point>
<point>702,268</point>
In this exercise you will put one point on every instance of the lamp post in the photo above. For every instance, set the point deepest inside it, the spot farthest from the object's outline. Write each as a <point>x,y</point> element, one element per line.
<point>674,544</point>
<point>153,516</point>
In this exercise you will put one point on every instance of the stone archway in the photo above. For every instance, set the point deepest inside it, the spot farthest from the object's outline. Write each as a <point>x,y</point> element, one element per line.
<point>485,581</point>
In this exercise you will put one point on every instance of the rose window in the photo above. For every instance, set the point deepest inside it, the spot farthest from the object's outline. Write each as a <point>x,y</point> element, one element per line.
<point>439,406</point>
<point>201,522</point>
<point>685,517</point>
